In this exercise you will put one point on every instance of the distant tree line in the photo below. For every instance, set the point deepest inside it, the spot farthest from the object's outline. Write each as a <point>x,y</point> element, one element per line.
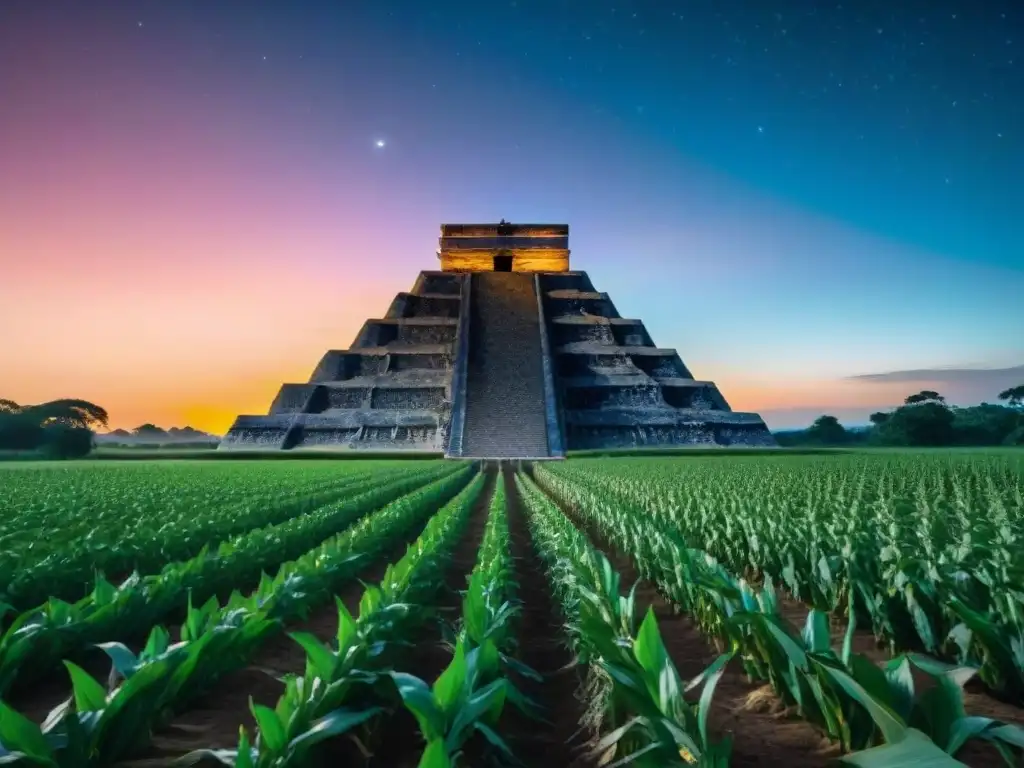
<point>60,429</point>
<point>924,419</point>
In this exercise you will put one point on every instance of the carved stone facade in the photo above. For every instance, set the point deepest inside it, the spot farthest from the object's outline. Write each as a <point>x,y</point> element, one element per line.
<point>597,378</point>
<point>391,390</point>
<point>617,390</point>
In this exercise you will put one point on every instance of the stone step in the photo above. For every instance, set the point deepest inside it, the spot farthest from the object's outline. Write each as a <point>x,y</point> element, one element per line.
<point>505,414</point>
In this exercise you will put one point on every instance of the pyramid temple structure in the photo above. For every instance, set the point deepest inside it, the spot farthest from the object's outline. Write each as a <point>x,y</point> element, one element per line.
<point>505,352</point>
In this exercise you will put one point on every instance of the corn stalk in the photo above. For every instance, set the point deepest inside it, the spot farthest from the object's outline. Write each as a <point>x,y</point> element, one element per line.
<point>97,726</point>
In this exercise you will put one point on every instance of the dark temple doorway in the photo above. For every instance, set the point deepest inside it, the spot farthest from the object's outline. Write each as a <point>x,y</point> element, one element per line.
<point>502,263</point>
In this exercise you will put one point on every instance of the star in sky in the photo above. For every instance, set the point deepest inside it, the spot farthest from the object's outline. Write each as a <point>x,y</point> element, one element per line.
<point>379,143</point>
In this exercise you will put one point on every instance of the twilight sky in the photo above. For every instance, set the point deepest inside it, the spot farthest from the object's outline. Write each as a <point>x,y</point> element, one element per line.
<point>821,206</point>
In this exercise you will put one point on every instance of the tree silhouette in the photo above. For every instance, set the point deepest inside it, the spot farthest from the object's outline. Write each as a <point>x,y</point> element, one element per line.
<point>925,396</point>
<point>1014,396</point>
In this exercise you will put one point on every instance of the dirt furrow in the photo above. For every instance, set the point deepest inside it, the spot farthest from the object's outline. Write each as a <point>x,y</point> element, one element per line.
<point>542,646</point>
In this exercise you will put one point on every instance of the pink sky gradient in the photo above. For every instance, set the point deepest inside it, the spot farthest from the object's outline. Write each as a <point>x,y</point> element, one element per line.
<point>192,210</point>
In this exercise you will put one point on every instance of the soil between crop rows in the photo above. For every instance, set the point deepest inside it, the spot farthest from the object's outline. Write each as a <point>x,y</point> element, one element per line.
<point>542,647</point>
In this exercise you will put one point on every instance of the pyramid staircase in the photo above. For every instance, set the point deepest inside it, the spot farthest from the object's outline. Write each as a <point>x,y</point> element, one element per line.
<point>505,415</point>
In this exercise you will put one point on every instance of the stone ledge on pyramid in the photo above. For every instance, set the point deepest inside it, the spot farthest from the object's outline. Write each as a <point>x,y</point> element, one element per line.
<point>407,332</point>
<point>424,305</point>
<point>362,429</point>
<point>683,435</point>
<point>659,416</point>
<point>438,282</point>
<point>601,390</point>
<point>571,303</point>
<point>585,358</point>
<point>573,280</point>
<point>409,390</point>
<point>360,417</point>
<point>579,319</point>
<point>257,432</point>
<point>616,332</point>
<point>345,364</point>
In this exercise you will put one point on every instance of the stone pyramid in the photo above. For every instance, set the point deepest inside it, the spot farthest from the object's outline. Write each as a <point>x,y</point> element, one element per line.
<point>503,353</point>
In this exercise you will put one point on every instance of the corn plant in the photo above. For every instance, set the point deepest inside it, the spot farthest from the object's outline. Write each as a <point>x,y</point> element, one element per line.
<point>802,668</point>
<point>930,545</point>
<point>469,696</point>
<point>59,525</point>
<point>336,693</point>
<point>642,711</point>
<point>38,639</point>
<point>215,640</point>
<point>96,727</point>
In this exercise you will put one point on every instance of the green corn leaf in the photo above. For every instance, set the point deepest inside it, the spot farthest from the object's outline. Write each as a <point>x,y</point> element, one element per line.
<point>487,660</point>
<point>346,625</point>
<point>332,724</point>
<point>965,729</point>
<point>474,608</point>
<point>483,701</point>
<point>521,669</point>
<point>793,651</point>
<point>684,742</point>
<point>19,734</point>
<point>714,674</point>
<point>922,623</point>
<point>435,755</point>
<point>942,706</point>
<point>319,656</point>
<point>104,592</point>
<point>612,737</point>
<point>447,689</point>
<point>959,675</point>
<point>272,730</point>
<point>660,674</point>
<point>89,695</point>
<point>418,699</point>
<point>912,750</point>
<point>633,757</point>
<point>901,686</point>
<point>245,757</point>
<point>892,728</point>
<point>816,634</point>
<point>124,661</point>
<point>851,628</point>
<point>157,643</point>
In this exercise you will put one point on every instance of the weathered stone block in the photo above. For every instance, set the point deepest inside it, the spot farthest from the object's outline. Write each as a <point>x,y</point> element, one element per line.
<point>419,398</point>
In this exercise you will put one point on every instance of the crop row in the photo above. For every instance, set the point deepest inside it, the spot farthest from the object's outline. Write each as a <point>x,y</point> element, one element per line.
<point>40,637</point>
<point>96,726</point>
<point>931,551</point>
<point>354,679</point>
<point>340,688</point>
<point>884,711</point>
<point>142,516</point>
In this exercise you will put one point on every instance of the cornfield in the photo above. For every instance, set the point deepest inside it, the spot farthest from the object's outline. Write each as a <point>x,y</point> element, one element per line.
<point>866,608</point>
